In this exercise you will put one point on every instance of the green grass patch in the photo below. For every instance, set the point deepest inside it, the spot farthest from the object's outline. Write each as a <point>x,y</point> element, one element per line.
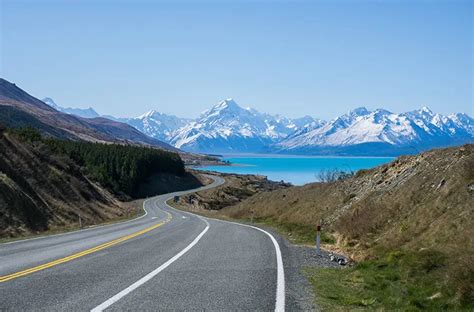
<point>404,281</point>
<point>296,233</point>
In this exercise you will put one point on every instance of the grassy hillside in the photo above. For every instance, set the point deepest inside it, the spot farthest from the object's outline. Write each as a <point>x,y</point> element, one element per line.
<point>47,184</point>
<point>409,225</point>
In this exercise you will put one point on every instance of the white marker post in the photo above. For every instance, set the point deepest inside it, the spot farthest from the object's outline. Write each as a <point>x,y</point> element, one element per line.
<point>318,240</point>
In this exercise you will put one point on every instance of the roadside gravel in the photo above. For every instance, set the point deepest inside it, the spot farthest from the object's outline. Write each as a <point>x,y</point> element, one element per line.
<point>299,292</point>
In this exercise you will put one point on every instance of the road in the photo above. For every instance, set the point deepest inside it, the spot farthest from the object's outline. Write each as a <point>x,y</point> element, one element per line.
<point>165,260</point>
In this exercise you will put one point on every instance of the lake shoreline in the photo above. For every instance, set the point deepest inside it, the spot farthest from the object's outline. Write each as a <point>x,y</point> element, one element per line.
<point>297,170</point>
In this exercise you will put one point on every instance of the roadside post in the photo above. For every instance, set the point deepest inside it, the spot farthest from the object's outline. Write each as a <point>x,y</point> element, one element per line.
<point>251,217</point>
<point>80,222</point>
<point>318,239</point>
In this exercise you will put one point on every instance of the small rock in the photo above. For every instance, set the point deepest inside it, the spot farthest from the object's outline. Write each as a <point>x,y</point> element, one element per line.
<point>470,187</point>
<point>437,295</point>
<point>441,183</point>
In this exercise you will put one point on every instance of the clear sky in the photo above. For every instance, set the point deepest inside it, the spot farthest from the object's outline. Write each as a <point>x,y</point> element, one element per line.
<point>294,58</point>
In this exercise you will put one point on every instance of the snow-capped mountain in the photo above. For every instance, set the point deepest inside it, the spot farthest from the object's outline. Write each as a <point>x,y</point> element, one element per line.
<point>227,128</point>
<point>380,132</point>
<point>81,112</point>
<point>157,125</point>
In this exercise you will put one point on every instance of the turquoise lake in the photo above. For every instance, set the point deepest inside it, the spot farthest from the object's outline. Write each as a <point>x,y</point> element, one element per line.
<point>294,169</point>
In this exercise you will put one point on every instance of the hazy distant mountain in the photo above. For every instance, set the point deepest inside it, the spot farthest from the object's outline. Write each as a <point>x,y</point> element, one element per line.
<point>227,128</point>
<point>81,112</point>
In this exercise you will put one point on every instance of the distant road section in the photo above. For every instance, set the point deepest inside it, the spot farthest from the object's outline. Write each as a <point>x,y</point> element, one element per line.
<point>164,260</point>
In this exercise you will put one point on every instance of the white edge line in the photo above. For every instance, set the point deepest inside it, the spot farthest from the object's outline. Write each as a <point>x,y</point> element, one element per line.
<point>280,290</point>
<point>150,275</point>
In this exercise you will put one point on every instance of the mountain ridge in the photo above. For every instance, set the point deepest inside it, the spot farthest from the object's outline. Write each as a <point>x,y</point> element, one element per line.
<point>229,128</point>
<point>20,109</point>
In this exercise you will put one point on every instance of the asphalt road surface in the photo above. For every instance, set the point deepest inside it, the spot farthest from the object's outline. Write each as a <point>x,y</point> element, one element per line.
<point>164,260</point>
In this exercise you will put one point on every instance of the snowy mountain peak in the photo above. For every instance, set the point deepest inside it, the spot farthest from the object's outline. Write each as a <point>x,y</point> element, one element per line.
<point>227,127</point>
<point>423,112</point>
<point>426,109</point>
<point>148,114</point>
<point>359,111</point>
<point>227,104</point>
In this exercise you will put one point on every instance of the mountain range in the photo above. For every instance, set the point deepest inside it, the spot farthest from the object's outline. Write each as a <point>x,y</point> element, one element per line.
<point>230,128</point>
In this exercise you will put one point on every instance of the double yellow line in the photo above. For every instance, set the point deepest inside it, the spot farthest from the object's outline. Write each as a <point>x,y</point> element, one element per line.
<point>41,267</point>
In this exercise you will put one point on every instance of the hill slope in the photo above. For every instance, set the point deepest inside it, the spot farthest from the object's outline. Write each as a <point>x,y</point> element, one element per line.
<point>29,111</point>
<point>40,191</point>
<point>410,202</point>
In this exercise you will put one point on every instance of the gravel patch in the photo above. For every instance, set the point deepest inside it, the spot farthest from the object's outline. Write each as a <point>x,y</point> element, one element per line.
<point>299,291</point>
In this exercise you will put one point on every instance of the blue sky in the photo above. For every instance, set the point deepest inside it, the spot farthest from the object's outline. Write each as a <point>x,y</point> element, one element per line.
<point>294,58</point>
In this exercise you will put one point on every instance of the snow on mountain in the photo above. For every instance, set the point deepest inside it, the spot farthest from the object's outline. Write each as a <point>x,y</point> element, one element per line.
<point>51,103</point>
<point>81,112</point>
<point>227,127</point>
<point>421,129</point>
<point>157,125</point>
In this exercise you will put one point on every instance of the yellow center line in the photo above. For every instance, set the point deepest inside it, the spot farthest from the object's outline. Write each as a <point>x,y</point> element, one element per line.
<point>9,277</point>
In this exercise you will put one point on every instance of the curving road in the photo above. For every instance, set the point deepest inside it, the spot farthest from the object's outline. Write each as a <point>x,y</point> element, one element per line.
<point>164,260</point>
